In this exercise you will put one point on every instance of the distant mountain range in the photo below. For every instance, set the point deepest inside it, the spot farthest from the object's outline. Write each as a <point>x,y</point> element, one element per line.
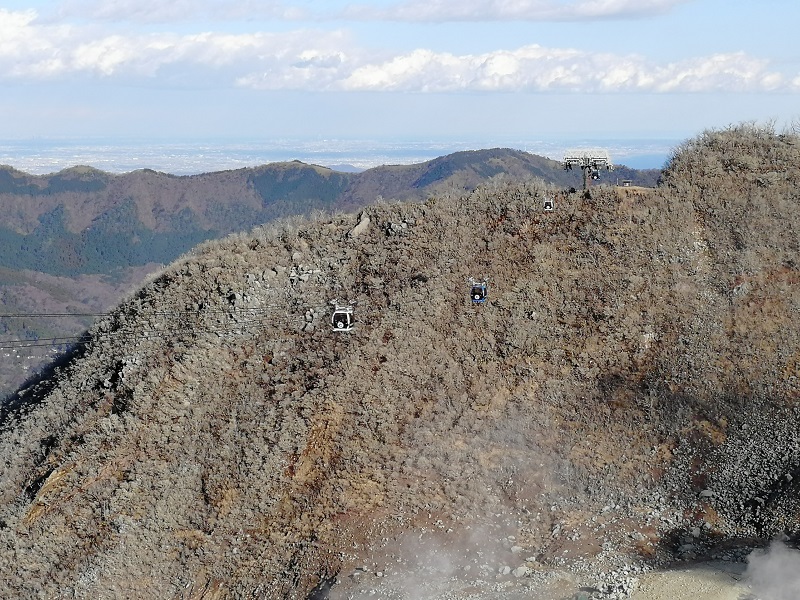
<point>82,220</point>
<point>77,240</point>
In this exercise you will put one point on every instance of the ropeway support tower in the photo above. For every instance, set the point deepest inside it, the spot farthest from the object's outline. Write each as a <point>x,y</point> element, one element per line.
<point>590,161</point>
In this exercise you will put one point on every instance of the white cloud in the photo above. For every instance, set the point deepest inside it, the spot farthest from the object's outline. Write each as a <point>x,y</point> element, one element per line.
<point>329,60</point>
<point>734,72</point>
<point>534,68</point>
<point>503,10</point>
<point>159,11</point>
<point>34,51</point>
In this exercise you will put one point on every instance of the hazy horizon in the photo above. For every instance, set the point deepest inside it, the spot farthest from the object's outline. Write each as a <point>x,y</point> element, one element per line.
<point>40,156</point>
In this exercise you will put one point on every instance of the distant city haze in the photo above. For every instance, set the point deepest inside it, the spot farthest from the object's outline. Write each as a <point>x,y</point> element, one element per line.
<point>188,157</point>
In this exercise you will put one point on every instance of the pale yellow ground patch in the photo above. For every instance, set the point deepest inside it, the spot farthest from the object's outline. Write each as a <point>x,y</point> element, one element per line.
<point>709,581</point>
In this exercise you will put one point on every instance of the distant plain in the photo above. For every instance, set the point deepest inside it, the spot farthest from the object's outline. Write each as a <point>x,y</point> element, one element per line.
<point>40,156</point>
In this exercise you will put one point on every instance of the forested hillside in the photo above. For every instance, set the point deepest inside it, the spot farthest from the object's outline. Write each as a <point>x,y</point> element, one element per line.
<point>626,396</point>
<point>85,221</point>
<point>75,242</point>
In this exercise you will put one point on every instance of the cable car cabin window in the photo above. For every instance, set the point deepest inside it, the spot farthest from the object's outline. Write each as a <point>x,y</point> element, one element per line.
<point>342,319</point>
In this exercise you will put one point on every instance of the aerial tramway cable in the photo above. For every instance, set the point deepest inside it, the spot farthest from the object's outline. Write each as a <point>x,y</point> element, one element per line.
<point>120,333</point>
<point>257,316</point>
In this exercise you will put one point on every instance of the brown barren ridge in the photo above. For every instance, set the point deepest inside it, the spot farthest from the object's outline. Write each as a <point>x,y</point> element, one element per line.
<point>626,397</point>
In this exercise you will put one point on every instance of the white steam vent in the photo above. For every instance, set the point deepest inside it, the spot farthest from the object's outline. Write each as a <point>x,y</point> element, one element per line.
<point>774,573</point>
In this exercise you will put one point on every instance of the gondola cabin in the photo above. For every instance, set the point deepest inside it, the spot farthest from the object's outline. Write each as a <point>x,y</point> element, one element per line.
<point>478,292</point>
<point>342,318</point>
<point>548,205</point>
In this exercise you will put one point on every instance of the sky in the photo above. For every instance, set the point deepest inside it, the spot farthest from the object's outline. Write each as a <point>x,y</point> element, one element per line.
<point>405,69</point>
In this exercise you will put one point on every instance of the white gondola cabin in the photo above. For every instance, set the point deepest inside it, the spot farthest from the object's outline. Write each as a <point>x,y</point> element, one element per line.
<point>342,318</point>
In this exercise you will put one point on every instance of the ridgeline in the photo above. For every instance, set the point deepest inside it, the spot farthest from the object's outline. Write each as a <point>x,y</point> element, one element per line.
<point>79,240</point>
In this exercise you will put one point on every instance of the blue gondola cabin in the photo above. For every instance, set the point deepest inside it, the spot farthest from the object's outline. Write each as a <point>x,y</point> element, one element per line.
<point>478,292</point>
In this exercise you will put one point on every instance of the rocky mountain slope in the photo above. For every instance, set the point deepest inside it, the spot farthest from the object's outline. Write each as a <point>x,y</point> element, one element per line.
<point>76,241</point>
<point>626,397</point>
